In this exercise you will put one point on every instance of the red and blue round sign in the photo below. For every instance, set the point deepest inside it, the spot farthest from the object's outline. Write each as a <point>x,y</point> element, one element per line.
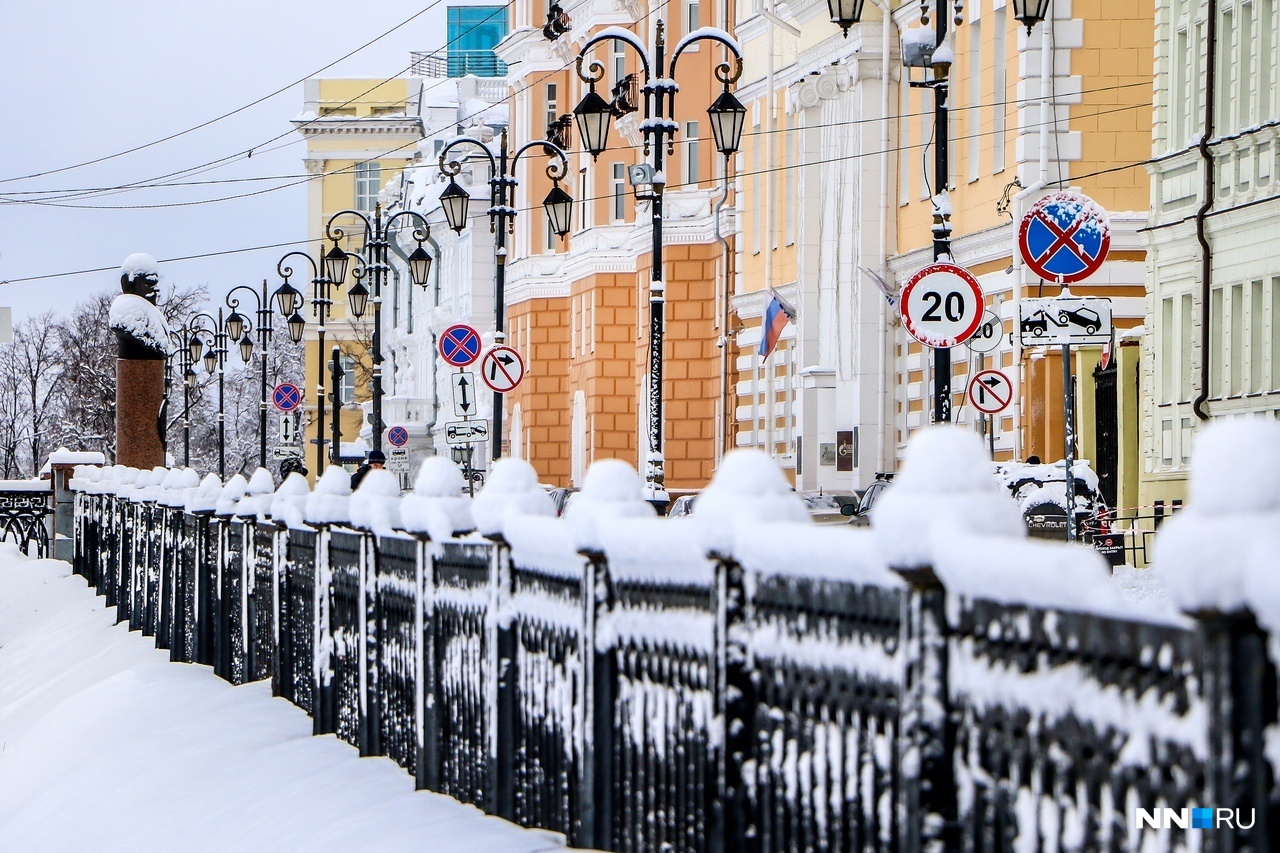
<point>397,436</point>
<point>459,345</point>
<point>1065,237</point>
<point>286,397</point>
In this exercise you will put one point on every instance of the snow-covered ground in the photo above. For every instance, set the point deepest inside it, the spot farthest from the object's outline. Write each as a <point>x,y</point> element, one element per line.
<point>106,745</point>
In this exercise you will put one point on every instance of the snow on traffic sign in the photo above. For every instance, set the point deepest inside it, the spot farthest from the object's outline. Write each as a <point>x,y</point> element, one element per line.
<point>1065,237</point>
<point>502,369</point>
<point>397,436</point>
<point>460,345</point>
<point>464,393</point>
<point>941,305</point>
<point>286,397</point>
<point>990,391</point>
<point>990,333</point>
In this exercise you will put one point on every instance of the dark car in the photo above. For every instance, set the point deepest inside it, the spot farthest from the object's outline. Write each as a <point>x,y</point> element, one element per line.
<point>1085,318</point>
<point>682,507</point>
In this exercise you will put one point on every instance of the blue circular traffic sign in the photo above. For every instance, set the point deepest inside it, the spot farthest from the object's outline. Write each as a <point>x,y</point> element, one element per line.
<point>1065,237</point>
<point>460,345</point>
<point>286,397</point>
<point>397,436</point>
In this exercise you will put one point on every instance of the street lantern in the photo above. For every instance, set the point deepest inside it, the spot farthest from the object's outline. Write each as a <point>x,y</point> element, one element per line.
<point>189,376</point>
<point>846,13</point>
<point>419,266</point>
<point>358,297</point>
<point>335,264</point>
<point>594,115</point>
<point>454,200</point>
<point>235,325</point>
<point>196,346</point>
<point>288,299</point>
<point>211,361</point>
<point>559,207</point>
<point>246,349</point>
<point>1030,12</point>
<point>727,118</point>
<point>297,326</point>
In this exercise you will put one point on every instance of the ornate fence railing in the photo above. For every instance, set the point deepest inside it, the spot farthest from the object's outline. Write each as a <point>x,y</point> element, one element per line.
<point>791,692</point>
<point>26,515</point>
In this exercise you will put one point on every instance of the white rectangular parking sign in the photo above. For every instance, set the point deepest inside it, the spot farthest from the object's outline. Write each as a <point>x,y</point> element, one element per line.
<point>1074,320</point>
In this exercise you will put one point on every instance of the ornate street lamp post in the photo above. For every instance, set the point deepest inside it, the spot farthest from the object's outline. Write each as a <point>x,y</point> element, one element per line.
<point>240,329</point>
<point>289,303</point>
<point>594,115</point>
<point>502,183</point>
<point>215,360</point>
<point>372,262</point>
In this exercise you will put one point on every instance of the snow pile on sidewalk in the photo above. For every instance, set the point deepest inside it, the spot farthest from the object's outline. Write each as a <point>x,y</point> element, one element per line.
<point>105,745</point>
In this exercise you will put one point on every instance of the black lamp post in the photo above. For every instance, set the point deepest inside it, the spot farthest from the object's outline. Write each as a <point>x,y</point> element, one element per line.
<point>214,348</point>
<point>289,302</point>
<point>182,349</point>
<point>1030,12</point>
<point>240,329</point>
<point>372,261</point>
<point>502,183</point>
<point>594,114</point>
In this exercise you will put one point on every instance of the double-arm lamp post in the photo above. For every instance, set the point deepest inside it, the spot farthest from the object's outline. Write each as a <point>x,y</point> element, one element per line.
<point>594,115</point>
<point>371,261</point>
<point>214,347</point>
<point>502,213</point>
<point>184,354</point>
<point>240,329</point>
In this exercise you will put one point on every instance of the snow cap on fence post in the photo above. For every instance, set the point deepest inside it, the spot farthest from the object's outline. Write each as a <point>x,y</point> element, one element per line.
<point>330,502</point>
<point>231,494</point>
<point>178,485</point>
<point>512,487</point>
<point>1219,554</point>
<point>289,499</point>
<point>748,488</point>
<point>205,497</point>
<point>375,505</point>
<point>611,490</point>
<point>437,506</point>
<point>946,487</point>
<point>256,502</point>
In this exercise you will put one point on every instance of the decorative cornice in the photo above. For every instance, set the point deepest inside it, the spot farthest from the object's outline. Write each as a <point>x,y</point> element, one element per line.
<point>824,85</point>
<point>361,126</point>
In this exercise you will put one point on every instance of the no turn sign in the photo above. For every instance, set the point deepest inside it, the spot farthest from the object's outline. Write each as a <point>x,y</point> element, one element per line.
<point>990,391</point>
<point>942,305</point>
<point>502,368</point>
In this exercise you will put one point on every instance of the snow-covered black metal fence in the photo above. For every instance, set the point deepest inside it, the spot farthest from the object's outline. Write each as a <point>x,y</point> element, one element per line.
<point>643,684</point>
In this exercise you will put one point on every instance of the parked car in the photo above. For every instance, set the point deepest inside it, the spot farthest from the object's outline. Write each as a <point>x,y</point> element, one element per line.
<point>860,515</point>
<point>1040,491</point>
<point>682,506</point>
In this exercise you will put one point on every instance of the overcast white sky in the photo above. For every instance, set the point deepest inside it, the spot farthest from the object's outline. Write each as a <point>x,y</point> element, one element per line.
<point>80,81</point>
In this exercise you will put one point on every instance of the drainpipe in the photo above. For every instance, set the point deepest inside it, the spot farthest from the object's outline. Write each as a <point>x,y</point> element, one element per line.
<point>887,440</point>
<point>1202,235</point>
<point>435,367</point>
<point>722,320</point>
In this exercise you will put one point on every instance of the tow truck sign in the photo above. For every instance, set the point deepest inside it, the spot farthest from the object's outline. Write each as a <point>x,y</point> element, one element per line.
<point>1074,320</point>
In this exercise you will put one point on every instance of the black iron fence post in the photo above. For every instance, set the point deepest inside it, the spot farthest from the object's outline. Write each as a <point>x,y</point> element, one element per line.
<point>501,794</point>
<point>371,710</point>
<point>735,705</point>
<point>599,691</point>
<point>927,807</point>
<point>427,766</point>
<point>1240,694</point>
<point>324,720</point>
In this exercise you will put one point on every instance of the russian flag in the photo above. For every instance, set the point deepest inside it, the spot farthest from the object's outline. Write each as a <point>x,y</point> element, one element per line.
<point>776,316</point>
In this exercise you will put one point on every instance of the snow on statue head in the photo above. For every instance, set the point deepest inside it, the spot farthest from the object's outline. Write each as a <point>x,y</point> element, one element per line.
<point>140,328</point>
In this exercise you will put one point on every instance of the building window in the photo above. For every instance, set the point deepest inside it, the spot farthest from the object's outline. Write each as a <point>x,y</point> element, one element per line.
<point>584,221</point>
<point>691,153</point>
<point>368,184</point>
<point>975,98</point>
<point>1000,94</point>
<point>692,16</point>
<point>619,192</point>
<point>473,31</point>
<point>348,389</point>
<point>618,56</point>
<point>553,113</point>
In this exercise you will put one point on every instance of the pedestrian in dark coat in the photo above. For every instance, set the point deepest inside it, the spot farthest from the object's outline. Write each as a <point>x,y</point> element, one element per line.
<point>375,459</point>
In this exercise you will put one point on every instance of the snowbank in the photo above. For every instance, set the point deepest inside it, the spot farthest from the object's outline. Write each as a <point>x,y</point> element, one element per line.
<point>512,490</point>
<point>178,759</point>
<point>437,506</point>
<point>748,489</point>
<point>330,502</point>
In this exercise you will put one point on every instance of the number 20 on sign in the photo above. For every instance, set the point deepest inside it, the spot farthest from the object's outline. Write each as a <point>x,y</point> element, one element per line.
<point>942,305</point>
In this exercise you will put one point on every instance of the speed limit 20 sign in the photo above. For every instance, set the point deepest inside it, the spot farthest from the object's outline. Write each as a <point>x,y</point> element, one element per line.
<point>942,305</point>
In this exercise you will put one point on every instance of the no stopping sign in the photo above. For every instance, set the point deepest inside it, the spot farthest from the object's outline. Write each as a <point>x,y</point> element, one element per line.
<point>942,305</point>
